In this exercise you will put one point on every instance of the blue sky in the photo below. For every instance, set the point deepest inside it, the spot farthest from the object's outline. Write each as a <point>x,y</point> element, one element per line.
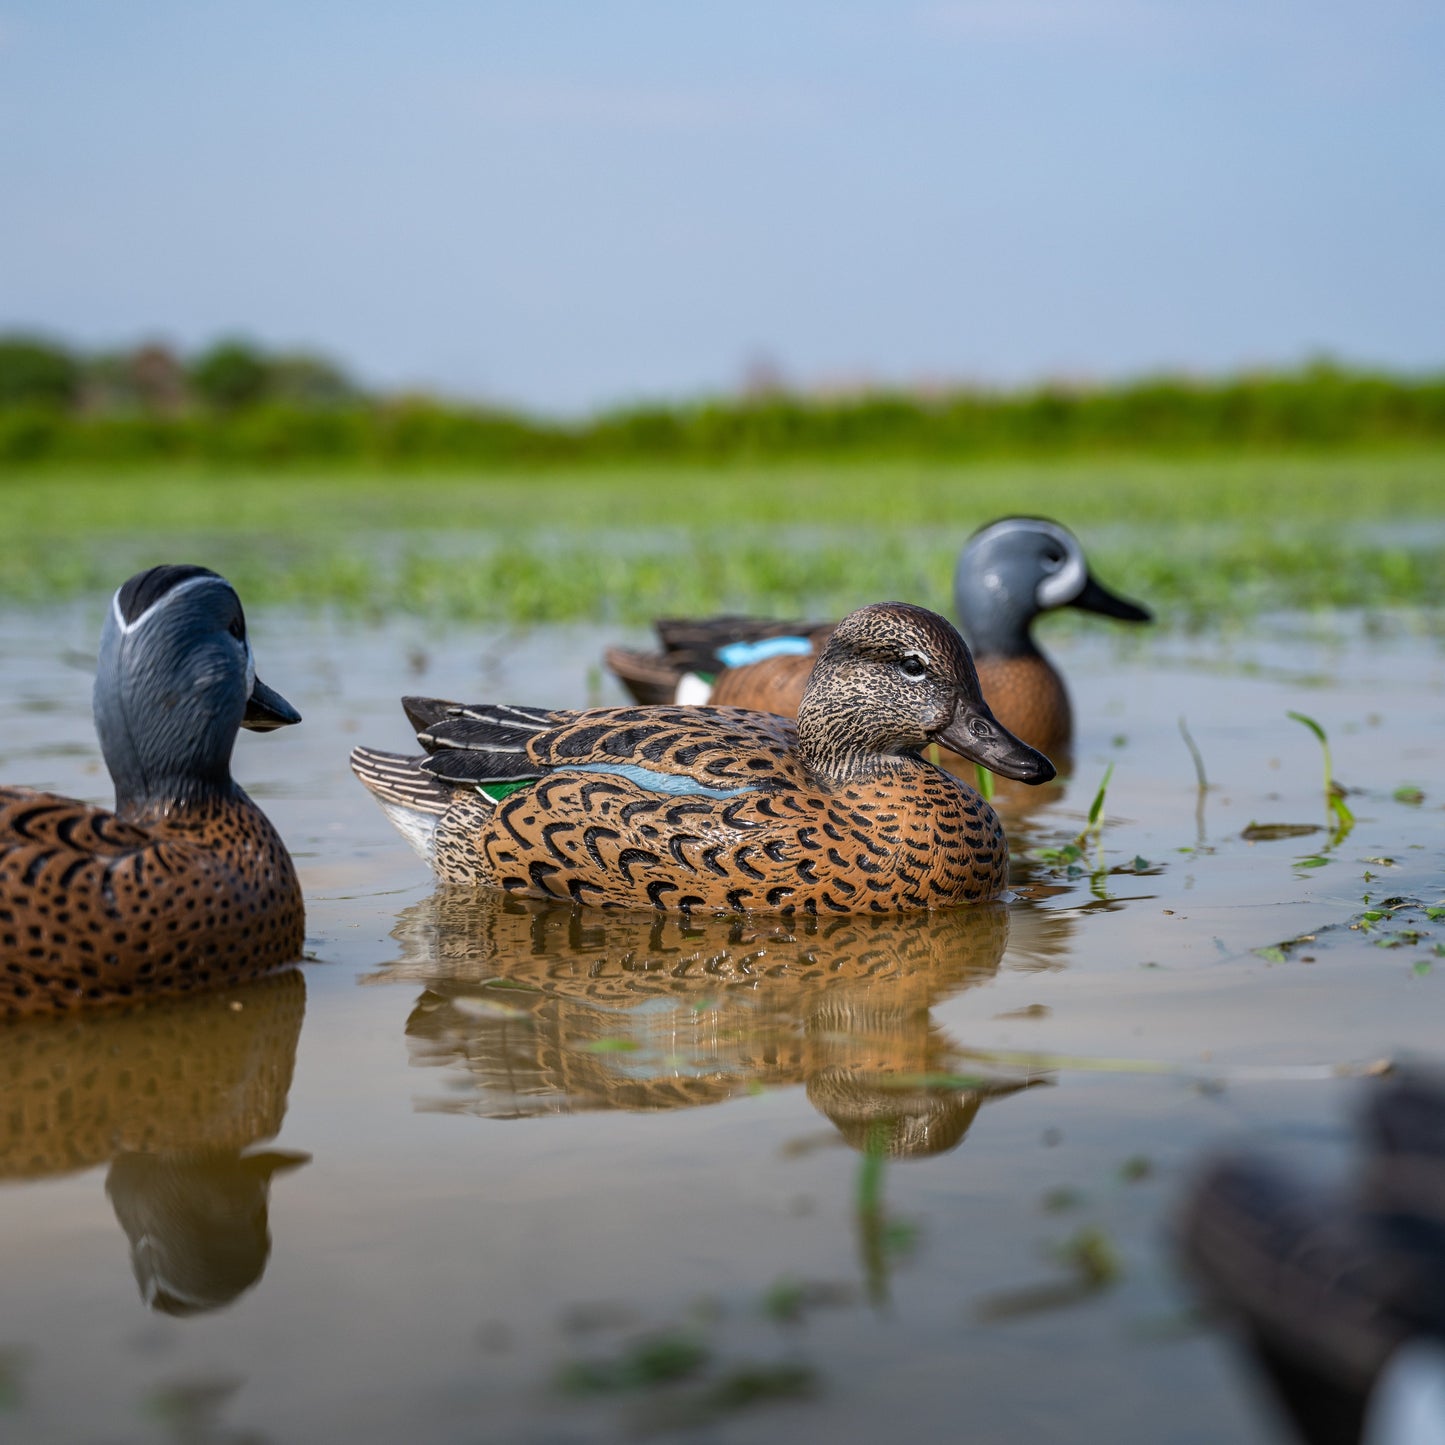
<point>568,205</point>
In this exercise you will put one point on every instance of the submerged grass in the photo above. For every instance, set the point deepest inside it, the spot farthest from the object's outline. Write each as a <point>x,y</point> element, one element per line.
<point>1197,539</point>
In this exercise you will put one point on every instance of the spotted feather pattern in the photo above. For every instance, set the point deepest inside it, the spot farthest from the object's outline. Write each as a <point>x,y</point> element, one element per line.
<point>909,837</point>
<point>94,909</point>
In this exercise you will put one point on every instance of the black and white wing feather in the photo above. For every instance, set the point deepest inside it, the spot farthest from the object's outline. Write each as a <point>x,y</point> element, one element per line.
<point>482,743</point>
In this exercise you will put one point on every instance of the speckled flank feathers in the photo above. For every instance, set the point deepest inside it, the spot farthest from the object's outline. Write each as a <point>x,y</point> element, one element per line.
<point>186,885</point>
<point>1010,572</point>
<point>94,910</point>
<point>725,810</point>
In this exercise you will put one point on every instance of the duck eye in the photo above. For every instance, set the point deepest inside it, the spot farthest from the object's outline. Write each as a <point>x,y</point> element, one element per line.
<point>237,629</point>
<point>1053,560</point>
<point>912,666</point>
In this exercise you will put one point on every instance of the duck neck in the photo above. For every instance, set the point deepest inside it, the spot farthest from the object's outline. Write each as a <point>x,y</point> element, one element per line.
<point>998,632</point>
<point>155,780</point>
<point>836,752</point>
<point>147,801</point>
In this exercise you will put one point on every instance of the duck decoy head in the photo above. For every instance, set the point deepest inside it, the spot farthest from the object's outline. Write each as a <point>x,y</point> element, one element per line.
<point>1017,567</point>
<point>174,682</point>
<point>895,678</point>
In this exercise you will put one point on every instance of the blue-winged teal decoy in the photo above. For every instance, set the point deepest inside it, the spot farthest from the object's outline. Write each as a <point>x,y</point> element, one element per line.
<point>1010,571</point>
<point>186,884</point>
<point>722,809</point>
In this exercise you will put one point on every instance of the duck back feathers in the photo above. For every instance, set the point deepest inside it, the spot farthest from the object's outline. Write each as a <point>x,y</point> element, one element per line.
<point>725,809</point>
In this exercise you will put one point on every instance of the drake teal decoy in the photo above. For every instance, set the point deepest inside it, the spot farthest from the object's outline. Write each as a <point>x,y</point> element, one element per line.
<point>721,809</point>
<point>186,884</point>
<point>1008,574</point>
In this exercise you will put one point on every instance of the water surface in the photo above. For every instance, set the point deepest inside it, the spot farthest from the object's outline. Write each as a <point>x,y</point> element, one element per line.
<point>836,1175</point>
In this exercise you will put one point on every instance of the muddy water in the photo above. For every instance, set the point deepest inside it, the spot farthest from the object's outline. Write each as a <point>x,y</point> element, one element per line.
<point>838,1178</point>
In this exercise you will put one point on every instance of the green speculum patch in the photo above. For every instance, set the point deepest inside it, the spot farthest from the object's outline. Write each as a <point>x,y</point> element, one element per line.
<point>497,791</point>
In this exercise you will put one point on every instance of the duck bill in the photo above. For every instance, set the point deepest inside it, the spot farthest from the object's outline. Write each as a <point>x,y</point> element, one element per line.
<point>981,738</point>
<point>267,710</point>
<point>1097,598</point>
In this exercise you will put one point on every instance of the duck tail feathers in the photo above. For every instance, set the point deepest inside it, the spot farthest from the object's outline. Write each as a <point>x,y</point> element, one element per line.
<point>649,677</point>
<point>400,781</point>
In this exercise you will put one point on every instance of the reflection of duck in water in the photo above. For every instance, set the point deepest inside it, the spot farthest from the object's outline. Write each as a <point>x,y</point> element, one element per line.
<point>543,1009</point>
<point>197,1223</point>
<point>173,1096</point>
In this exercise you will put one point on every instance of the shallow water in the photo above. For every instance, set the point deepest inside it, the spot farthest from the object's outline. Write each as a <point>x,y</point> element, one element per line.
<point>407,1191</point>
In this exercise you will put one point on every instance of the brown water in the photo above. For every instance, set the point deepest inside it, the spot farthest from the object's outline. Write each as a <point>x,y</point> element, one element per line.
<point>399,1195</point>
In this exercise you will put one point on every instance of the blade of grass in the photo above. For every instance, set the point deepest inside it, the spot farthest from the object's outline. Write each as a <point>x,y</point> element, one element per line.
<point>1334,794</point>
<point>1198,773</point>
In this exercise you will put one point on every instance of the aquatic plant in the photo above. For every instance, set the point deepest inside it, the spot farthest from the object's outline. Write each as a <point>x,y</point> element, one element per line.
<point>567,543</point>
<point>1334,793</point>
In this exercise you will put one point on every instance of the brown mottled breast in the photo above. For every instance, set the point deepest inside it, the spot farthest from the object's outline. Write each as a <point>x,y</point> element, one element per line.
<point>93,909</point>
<point>1028,697</point>
<point>773,838</point>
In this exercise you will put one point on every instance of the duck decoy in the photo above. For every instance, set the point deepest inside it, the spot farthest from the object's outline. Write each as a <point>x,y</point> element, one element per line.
<point>722,809</point>
<point>186,884</point>
<point>1009,573</point>
<point>1339,1293</point>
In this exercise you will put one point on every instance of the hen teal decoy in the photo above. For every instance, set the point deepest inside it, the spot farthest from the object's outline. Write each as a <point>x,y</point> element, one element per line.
<point>1009,573</point>
<point>186,884</point>
<point>719,808</point>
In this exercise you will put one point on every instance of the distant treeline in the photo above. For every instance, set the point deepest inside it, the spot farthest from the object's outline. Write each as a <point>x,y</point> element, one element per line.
<point>235,403</point>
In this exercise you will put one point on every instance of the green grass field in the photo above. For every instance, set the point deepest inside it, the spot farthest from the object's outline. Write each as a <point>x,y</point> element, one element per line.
<point>1197,538</point>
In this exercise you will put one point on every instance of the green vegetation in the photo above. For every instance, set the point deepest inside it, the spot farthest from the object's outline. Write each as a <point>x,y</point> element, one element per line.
<point>653,1361</point>
<point>1334,793</point>
<point>1202,539</point>
<point>236,404</point>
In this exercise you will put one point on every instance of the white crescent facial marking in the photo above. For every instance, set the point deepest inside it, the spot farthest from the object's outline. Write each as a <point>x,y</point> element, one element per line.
<point>126,628</point>
<point>1061,586</point>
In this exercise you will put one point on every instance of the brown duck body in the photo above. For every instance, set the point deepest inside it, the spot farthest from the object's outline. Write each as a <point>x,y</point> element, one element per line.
<point>781,841</point>
<point>723,809</point>
<point>95,909</point>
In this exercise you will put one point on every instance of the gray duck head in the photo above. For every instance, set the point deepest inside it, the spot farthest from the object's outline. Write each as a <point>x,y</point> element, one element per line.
<point>893,679</point>
<point>1014,569</point>
<point>175,680</point>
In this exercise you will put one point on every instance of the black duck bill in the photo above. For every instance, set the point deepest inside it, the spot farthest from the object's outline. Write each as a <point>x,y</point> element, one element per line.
<point>1097,598</point>
<point>977,735</point>
<point>267,710</point>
